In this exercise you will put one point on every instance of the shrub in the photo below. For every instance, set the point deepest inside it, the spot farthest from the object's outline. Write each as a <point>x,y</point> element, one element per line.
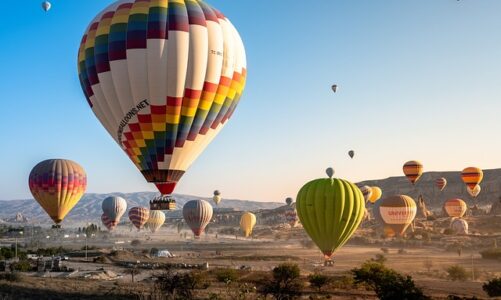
<point>226,275</point>
<point>457,272</point>
<point>493,287</point>
<point>135,243</point>
<point>11,276</point>
<point>285,283</point>
<point>318,280</point>
<point>493,253</point>
<point>385,250</point>
<point>181,286</point>
<point>21,266</point>
<point>387,283</point>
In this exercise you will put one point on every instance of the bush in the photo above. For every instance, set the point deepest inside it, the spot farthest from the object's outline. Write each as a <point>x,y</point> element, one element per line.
<point>318,280</point>
<point>387,283</point>
<point>11,276</point>
<point>135,243</point>
<point>385,250</point>
<point>285,283</point>
<point>226,275</point>
<point>493,253</point>
<point>457,272</point>
<point>181,286</point>
<point>21,266</point>
<point>493,287</point>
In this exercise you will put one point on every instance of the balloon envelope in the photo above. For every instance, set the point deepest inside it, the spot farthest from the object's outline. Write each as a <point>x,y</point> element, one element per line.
<point>413,170</point>
<point>398,212</point>
<point>455,207</point>
<point>376,194</point>
<point>114,208</point>
<point>291,216</point>
<point>441,183</point>
<point>459,226</point>
<point>366,192</point>
<point>475,192</point>
<point>351,153</point>
<point>155,220</point>
<point>46,5</point>
<point>107,222</point>
<point>163,78</point>
<point>139,216</point>
<point>57,185</point>
<point>197,214</point>
<point>330,210</point>
<point>472,176</point>
<point>247,223</point>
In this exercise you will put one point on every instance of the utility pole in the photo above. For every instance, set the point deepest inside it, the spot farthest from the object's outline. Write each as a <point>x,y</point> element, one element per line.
<point>86,247</point>
<point>472,269</point>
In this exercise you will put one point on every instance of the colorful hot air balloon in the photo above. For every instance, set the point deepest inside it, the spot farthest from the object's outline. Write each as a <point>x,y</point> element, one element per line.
<point>366,192</point>
<point>334,88</point>
<point>459,226</point>
<point>163,77</point>
<point>217,197</point>
<point>398,212</point>
<point>413,170</point>
<point>46,6</point>
<point>472,176</point>
<point>114,208</point>
<point>289,201</point>
<point>376,194</point>
<point>330,210</point>
<point>455,207</point>
<point>107,222</point>
<point>57,185</point>
<point>475,192</point>
<point>197,214</point>
<point>441,183</point>
<point>156,220</point>
<point>139,216</point>
<point>351,153</point>
<point>291,216</point>
<point>247,223</point>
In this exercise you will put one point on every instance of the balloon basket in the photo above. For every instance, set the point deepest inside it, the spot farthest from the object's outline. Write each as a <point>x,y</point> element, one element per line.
<point>329,263</point>
<point>163,203</point>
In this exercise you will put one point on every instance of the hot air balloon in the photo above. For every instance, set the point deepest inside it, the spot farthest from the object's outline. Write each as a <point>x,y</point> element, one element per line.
<point>351,153</point>
<point>247,223</point>
<point>413,170</point>
<point>139,216</point>
<point>291,216</point>
<point>330,210</point>
<point>441,183</point>
<point>398,212</point>
<point>46,5</point>
<point>57,185</point>
<point>455,207</point>
<point>459,226</point>
<point>107,222</point>
<point>472,176</point>
<point>388,231</point>
<point>114,208</point>
<point>475,192</point>
<point>334,88</point>
<point>217,197</point>
<point>163,78</point>
<point>155,221</point>
<point>375,195</point>
<point>366,192</point>
<point>289,201</point>
<point>197,214</point>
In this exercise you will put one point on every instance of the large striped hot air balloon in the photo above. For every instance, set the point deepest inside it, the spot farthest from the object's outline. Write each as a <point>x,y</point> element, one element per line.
<point>376,194</point>
<point>163,77</point>
<point>330,210</point>
<point>139,216</point>
<point>247,223</point>
<point>155,221</point>
<point>398,212</point>
<point>475,192</point>
<point>197,214</point>
<point>366,192</point>
<point>114,208</point>
<point>455,207</point>
<point>472,176</point>
<point>413,170</point>
<point>107,222</point>
<point>57,185</point>
<point>291,216</point>
<point>441,183</point>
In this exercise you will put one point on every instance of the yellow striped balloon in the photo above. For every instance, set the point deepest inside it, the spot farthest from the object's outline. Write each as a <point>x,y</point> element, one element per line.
<point>247,223</point>
<point>472,176</point>
<point>398,212</point>
<point>441,183</point>
<point>455,207</point>
<point>376,194</point>
<point>413,170</point>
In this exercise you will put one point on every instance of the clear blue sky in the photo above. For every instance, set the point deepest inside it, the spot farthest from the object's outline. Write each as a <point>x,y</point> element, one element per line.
<point>418,80</point>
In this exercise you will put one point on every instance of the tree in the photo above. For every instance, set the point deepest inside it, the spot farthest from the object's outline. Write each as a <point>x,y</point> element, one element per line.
<point>318,280</point>
<point>493,287</point>
<point>285,283</point>
<point>387,283</point>
<point>180,286</point>
<point>133,272</point>
<point>457,273</point>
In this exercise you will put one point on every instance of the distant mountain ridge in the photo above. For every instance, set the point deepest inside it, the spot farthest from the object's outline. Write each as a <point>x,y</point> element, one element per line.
<point>88,209</point>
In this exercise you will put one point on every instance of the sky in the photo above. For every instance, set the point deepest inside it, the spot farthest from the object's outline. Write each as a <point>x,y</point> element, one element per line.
<point>417,80</point>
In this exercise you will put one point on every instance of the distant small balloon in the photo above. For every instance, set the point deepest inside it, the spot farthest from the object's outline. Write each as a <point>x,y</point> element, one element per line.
<point>46,5</point>
<point>330,172</point>
<point>351,153</point>
<point>334,88</point>
<point>288,201</point>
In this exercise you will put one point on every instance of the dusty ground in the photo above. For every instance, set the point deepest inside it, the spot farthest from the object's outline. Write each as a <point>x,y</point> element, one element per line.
<point>260,254</point>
